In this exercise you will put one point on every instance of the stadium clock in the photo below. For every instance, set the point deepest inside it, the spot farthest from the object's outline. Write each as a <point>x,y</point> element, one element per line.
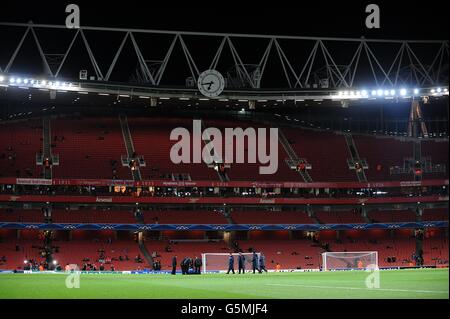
<point>211,83</point>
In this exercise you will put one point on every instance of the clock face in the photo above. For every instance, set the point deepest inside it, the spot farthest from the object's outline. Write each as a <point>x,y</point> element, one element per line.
<point>211,83</point>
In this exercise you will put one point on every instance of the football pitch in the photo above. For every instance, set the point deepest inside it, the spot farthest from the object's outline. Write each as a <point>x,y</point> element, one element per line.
<point>394,284</point>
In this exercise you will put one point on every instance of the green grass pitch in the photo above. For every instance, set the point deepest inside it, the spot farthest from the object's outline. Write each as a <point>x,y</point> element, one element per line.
<point>423,283</point>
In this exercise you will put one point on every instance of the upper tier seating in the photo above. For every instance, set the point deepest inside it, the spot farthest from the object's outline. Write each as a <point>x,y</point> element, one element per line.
<point>250,171</point>
<point>151,138</point>
<point>325,151</point>
<point>87,147</point>
<point>20,142</point>
<point>386,152</point>
<point>438,153</point>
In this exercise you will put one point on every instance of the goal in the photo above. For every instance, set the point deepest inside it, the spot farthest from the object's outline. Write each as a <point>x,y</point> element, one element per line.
<point>219,261</point>
<point>349,260</point>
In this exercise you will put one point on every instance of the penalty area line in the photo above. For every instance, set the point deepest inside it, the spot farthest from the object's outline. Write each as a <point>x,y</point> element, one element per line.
<point>359,288</point>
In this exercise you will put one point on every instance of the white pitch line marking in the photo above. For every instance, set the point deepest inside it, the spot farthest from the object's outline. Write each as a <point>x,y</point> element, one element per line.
<point>358,288</point>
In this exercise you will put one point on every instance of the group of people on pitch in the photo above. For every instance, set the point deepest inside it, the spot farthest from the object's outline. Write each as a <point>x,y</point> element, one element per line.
<point>258,264</point>
<point>188,265</point>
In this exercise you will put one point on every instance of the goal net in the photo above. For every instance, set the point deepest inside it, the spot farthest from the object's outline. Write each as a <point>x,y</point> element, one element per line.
<point>349,260</point>
<point>219,261</point>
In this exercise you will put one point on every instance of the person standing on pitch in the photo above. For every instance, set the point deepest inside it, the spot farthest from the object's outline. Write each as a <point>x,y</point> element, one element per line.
<point>191,265</point>
<point>174,265</point>
<point>262,263</point>
<point>183,265</point>
<point>230,264</point>
<point>255,262</point>
<point>197,265</point>
<point>241,263</point>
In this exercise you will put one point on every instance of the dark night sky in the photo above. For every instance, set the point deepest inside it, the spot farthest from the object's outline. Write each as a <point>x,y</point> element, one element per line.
<point>399,19</point>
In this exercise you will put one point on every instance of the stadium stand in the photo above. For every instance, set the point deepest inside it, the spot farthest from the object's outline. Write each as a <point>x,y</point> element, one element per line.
<point>88,148</point>
<point>94,216</point>
<point>270,217</point>
<point>183,217</point>
<point>381,154</point>
<point>148,132</point>
<point>248,171</point>
<point>20,215</point>
<point>91,250</point>
<point>27,249</point>
<point>325,151</point>
<point>92,148</point>
<point>20,142</point>
<point>340,217</point>
<point>392,216</point>
<point>434,150</point>
<point>430,214</point>
<point>289,253</point>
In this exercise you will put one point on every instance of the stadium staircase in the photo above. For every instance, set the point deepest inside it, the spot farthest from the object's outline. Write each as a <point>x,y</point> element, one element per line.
<point>232,243</point>
<point>312,215</point>
<point>419,238</point>
<point>46,150</point>
<point>140,219</point>
<point>417,150</point>
<point>293,157</point>
<point>364,215</point>
<point>223,176</point>
<point>351,146</point>
<point>146,254</point>
<point>228,217</point>
<point>128,140</point>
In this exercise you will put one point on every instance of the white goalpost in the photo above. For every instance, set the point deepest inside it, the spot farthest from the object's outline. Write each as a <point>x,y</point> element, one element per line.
<point>219,261</point>
<point>350,260</point>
